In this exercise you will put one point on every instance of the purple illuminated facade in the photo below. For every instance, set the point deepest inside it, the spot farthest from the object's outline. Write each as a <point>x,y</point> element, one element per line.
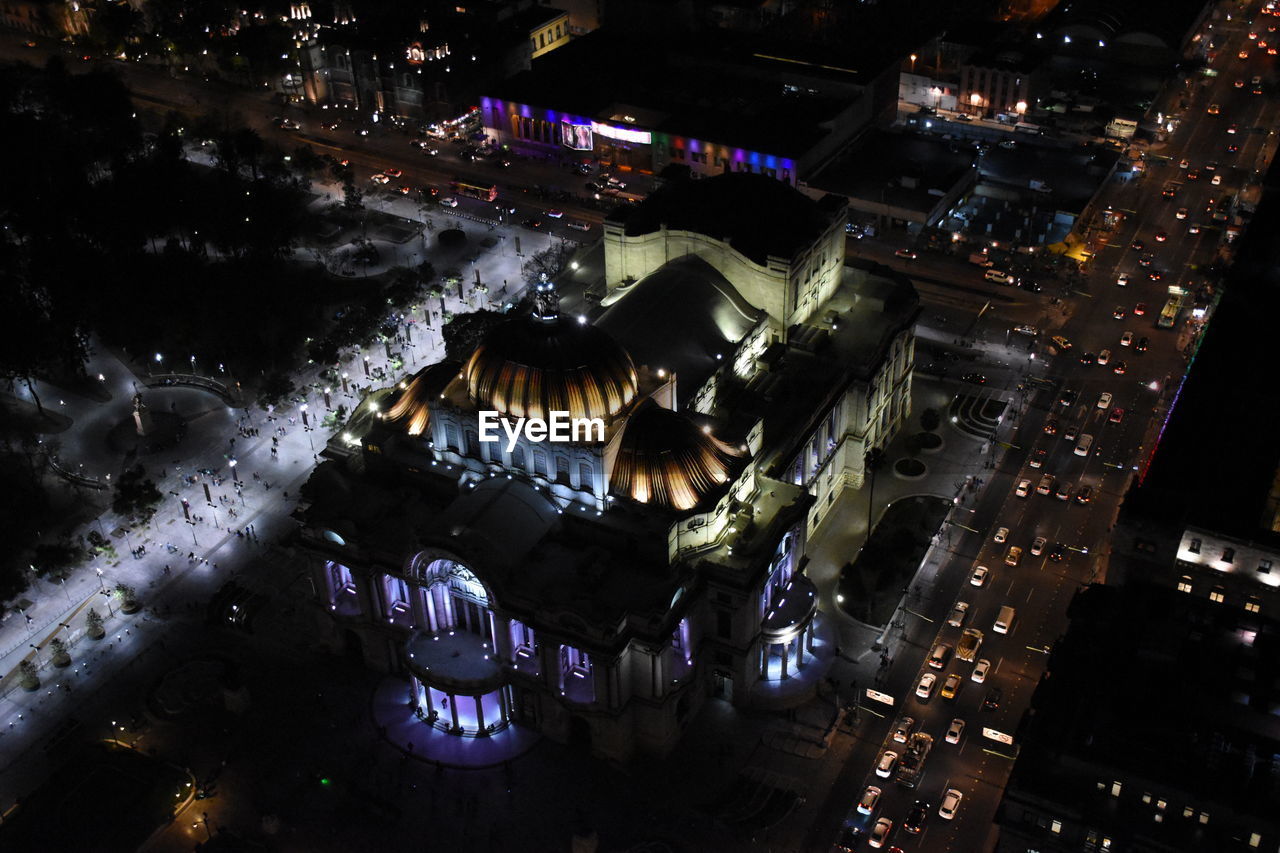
<point>620,145</point>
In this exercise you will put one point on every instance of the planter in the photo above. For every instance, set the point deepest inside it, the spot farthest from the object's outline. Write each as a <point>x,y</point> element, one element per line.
<point>62,661</point>
<point>929,442</point>
<point>96,635</point>
<point>909,469</point>
<point>130,607</point>
<point>31,685</point>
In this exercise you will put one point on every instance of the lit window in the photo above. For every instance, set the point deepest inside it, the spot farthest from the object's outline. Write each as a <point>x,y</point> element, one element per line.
<point>1188,811</point>
<point>1115,789</point>
<point>1204,817</point>
<point>1194,547</point>
<point>1161,805</point>
<point>1184,585</point>
<point>1159,817</point>
<point>1056,827</point>
<point>1253,605</point>
<point>1217,596</point>
<point>1146,797</point>
<point>1254,839</point>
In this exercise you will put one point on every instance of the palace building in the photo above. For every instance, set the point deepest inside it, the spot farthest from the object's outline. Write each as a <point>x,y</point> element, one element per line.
<point>602,590</point>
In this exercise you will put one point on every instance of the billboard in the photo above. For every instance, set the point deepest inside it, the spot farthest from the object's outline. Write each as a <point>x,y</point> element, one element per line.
<point>575,136</point>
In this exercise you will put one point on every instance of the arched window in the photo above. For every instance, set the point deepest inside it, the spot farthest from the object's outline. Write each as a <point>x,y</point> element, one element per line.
<point>586,479</point>
<point>451,437</point>
<point>517,458</point>
<point>539,463</point>
<point>562,468</point>
<point>473,444</point>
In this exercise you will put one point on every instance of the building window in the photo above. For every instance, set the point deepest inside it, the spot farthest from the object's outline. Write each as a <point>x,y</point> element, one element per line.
<point>539,463</point>
<point>1188,811</point>
<point>1056,827</point>
<point>1229,555</point>
<point>1264,567</point>
<point>1161,804</point>
<point>585,478</point>
<point>562,469</point>
<point>517,457</point>
<point>451,437</point>
<point>473,444</point>
<point>1194,547</point>
<point>1204,817</point>
<point>1184,585</point>
<point>1253,605</point>
<point>1255,839</point>
<point>1218,595</point>
<point>1116,787</point>
<point>1146,797</point>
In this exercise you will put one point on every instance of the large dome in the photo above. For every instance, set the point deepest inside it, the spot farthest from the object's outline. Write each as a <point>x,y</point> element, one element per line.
<point>665,458</point>
<point>530,366</point>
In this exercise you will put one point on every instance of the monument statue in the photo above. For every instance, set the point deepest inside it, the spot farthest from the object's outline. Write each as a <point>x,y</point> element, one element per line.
<point>141,415</point>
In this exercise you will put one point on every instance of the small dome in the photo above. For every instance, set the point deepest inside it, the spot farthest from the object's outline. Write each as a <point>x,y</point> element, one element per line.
<point>667,459</point>
<point>530,366</point>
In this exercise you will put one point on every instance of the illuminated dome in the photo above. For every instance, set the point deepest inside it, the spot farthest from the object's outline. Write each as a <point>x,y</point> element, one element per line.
<point>533,365</point>
<point>665,458</point>
<point>411,407</point>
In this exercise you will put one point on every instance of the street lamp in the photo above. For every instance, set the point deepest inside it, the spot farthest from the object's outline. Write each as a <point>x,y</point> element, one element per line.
<point>235,478</point>
<point>193,364</point>
<point>101,585</point>
<point>307,428</point>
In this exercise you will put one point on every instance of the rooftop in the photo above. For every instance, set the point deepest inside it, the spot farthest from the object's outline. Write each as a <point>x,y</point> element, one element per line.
<point>758,216</point>
<point>1089,720</point>
<point>1233,495</point>
<point>905,170</point>
<point>731,103</point>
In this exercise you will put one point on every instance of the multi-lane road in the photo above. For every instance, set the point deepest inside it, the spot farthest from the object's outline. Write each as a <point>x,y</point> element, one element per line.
<point>1038,588</point>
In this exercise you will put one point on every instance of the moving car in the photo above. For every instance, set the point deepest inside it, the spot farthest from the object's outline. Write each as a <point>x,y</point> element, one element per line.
<point>1084,495</point>
<point>579,225</point>
<point>1057,552</point>
<point>1119,313</point>
<point>1061,342</point>
<point>392,173</point>
<point>1013,557</point>
<point>925,688</point>
<point>1119,369</point>
<point>1181,214</point>
<point>1051,426</point>
<point>939,656</point>
<point>950,802</point>
<point>1117,415</point>
<point>1070,433</point>
<point>951,686</point>
<point>961,610</point>
<point>992,701</point>
<point>1126,339</point>
<point>448,201</point>
<point>1024,488</point>
<point>955,730</point>
<point>1046,485</point>
<point>888,760</point>
<point>1104,356</point>
<point>906,254</point>
<point>902,729</point>
<point>1068,398</point>
<point>1123,279</point>
<point>1036,461</point>
<point>1037,546</point>
<point>1001,535</point>
<point>1141,345</point>
<point>916,817</point>
<point>1063,492</point>
<point>975,378</point>
<point>1087,358</point>
<point>979,576</point>
<point>870,799</point>
<point>880,833</point>
<point>980,670</point>
<point>380,179</point>
<point>1104,400</point>
<point>555,214</point>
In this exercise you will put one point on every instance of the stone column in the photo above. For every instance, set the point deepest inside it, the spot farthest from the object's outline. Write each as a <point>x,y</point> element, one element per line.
<point>453,709</point>
<point>480,727</point>
<point>786,661</point>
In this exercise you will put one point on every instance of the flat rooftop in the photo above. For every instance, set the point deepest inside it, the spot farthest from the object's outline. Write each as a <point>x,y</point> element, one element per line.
<point>1161,686</point>
<point>756,215</point>
<point>905,170</point>
<point>1215,465</point>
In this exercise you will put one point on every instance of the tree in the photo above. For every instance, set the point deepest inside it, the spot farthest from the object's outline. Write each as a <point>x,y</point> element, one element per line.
<point>275,388</point>
<point>127,596</point>
<point>930,419</point>
<point>352,196</point>
<point>29,676</point>
<point>56,559</point>
<point>136,497</point>
<point>465,332</point>
<point>323,351</point>
<point>549,262</point>
<point>59,654</point>
<point>93,624</point>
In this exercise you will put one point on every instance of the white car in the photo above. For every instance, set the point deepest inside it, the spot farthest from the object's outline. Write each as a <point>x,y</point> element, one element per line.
<point>950,802</point>
<point>1001,535</point>
<point>448,201</point>
<point>555,214</point>
<point>380,179</point>
<point>1123,279</point>
<point>1216,181</point>
<point>1037,547</point>
<point>979,576</point>
<point>578,225</point>
<point>980,670</point>
<point>1024,488</point>
<point>955,730</point>
<point>1105,355</point>
<point>1104,400</point>
<point>880,833</point>
<point>1126,339</point>
<point>961,610</point>
<point>870,799</point>
<point>1181,214</point>
<point>888,760</point>
<point>925,688</point>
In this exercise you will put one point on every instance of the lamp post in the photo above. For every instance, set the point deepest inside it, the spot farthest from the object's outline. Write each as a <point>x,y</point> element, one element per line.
<point>110,611</point>
<point>235,477</point>
<point>39,659</point>
<point>307,428</point>
<point>101,586</point>
<point>193,365</point>
<point>160,360</point>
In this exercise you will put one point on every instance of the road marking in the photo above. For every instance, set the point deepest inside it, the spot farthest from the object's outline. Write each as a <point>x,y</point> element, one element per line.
<point>1030,593</point>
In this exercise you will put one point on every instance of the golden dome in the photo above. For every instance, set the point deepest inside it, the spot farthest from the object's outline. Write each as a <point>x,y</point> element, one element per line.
<point>665,458</point>
<point>531,366</point>
<point>412,404</point>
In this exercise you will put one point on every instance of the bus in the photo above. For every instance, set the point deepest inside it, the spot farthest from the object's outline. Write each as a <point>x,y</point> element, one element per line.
<point>1169,314</point>
<point>484,192</point>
